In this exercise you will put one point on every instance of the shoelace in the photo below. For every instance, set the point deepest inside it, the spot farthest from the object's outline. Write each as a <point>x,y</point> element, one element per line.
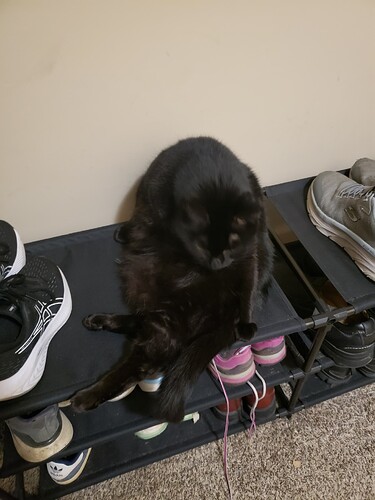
<point>252,427</point>
<point>358,191</point>
<point>225,452</point>
<point>18,287</point>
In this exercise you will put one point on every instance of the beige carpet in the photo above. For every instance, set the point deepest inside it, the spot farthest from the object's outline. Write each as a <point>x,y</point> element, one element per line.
<point>326,452</point>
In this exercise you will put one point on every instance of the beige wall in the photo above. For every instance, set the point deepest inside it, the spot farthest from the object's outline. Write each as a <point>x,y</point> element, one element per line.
<point>91,91</point>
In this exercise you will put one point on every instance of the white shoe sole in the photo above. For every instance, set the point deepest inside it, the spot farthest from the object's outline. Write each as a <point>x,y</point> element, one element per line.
<point>20,259</point>
<point>31,372</point>
<point>42,453</point>
<point>123,394</point>
<point>362,254</point>
<point>77,473</point>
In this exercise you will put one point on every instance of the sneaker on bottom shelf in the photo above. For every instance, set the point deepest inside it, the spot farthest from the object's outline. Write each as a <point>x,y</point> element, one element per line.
<point>156,430</point>
<point>40,436</point>
<point>235,410</point>
<point>266,406</point>
<point>68,469</point>
<point>269,352</point>
<point>34,305</point>
<point>152,432</point>
<point>369,369</point>
<point>12,251</point>
<point>363,172</point>
<point>335,375</point>
<point>235,366</point>
<point>343,210</point>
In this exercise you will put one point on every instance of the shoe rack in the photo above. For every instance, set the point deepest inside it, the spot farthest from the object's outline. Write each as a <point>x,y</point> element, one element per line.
<point>88,260</point>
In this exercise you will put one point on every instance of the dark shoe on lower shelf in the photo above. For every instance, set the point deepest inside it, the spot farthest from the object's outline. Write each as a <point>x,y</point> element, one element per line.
<point>368,370</point>
<point>266,406</point>
<point>68,469</point>
<point>39,436</point>
<point>335,375</point>
<point>235,410</point>
<point>351,345</point>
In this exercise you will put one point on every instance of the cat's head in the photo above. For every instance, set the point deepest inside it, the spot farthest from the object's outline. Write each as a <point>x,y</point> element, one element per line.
<point>218,231</point>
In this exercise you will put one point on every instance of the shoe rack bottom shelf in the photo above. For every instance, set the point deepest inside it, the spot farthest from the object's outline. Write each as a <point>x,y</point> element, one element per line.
<point>130,452</point>
<point>317,391</point>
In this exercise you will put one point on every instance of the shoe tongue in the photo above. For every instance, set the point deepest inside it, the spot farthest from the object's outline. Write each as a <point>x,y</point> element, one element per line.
<point>10,323</point>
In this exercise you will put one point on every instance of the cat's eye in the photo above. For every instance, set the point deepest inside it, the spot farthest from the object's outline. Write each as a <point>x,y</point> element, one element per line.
<point>234,240</point>
<point>199,245</point>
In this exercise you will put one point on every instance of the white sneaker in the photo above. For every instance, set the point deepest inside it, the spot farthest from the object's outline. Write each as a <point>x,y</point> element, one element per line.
<point>66,470</point>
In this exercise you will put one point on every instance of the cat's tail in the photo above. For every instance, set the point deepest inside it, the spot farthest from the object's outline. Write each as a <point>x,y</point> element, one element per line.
<point>179,379</point>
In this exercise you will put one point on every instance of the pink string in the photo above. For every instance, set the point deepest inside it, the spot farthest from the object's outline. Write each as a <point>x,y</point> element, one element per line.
<point>252,427</point>
<point>225,452</point>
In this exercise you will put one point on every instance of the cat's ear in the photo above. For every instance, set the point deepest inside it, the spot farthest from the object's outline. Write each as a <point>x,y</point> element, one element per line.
<point>194,213</point>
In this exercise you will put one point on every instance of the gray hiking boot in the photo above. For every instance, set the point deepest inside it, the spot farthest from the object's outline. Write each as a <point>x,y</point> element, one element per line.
<point>39,437</point>
<point>344,210</point>
<point>363,172</point>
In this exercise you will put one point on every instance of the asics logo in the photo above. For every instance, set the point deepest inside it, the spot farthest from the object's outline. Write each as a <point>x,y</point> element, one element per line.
<point>46,312</point>
<point>4,269</point>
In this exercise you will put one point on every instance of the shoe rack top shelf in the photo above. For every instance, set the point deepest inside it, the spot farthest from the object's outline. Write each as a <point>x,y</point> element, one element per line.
<point>77,357</point>
<point>290,200</point>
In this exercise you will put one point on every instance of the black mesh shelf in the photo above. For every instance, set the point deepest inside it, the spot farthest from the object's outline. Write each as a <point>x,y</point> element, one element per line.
<point>129,452</point>
<point>316,391</point>
<point>290,200</point>
<point>112,420</point>
<point>88,260</point>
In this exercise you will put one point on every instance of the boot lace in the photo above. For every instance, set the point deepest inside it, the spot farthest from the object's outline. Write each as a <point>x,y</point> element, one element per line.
<point>358,191</point>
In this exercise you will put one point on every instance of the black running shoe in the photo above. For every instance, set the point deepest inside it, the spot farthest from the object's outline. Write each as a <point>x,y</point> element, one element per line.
<point>12,251</point>
<point>369,369</point>
<point>34,305</point>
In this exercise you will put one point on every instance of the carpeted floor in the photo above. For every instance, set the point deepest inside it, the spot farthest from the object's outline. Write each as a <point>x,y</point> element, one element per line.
<point>326,452</point>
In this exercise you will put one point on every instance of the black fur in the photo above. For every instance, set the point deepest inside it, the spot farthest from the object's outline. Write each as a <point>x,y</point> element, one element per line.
<point>197,262</point>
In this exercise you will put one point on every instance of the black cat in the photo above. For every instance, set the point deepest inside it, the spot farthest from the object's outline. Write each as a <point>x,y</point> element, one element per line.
<point>197,261</point>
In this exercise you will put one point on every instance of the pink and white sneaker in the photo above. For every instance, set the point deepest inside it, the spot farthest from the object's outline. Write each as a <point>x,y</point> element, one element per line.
<point>235,366</point>
<point>269,352</point>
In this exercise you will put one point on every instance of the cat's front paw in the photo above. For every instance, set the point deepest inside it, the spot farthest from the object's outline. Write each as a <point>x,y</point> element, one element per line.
<point>246,331</point>
<point>94,321</point>
<point>84,400</point>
